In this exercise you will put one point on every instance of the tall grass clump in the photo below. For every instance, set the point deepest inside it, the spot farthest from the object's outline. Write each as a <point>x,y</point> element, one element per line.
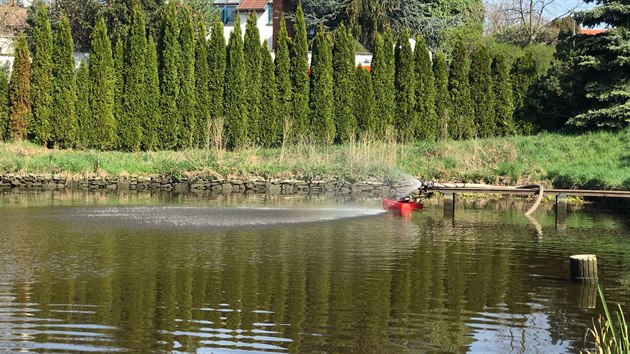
<point>610,334</point>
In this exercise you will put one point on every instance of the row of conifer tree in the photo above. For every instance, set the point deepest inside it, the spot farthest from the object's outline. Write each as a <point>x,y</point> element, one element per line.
<point>187,91</point>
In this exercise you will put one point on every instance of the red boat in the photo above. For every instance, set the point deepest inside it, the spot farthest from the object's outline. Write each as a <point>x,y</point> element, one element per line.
<point>402,206</point>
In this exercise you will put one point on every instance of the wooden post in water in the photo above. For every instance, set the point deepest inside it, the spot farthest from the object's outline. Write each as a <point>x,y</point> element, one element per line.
<point>449,205</point>
<point>583,268</point>
<point>561,212</point>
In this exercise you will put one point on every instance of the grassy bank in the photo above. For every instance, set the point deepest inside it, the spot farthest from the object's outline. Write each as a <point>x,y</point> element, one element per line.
<point>593,160</point>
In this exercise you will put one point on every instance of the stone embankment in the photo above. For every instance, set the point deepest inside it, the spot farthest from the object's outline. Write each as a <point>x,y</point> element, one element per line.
<point>195,184</point>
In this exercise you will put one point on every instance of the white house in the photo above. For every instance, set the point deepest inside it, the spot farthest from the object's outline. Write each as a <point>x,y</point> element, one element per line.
<point>262,8</point>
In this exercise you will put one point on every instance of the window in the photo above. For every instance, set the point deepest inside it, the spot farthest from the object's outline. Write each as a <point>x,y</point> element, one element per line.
<point>228,14</point>
<point>269,14</point>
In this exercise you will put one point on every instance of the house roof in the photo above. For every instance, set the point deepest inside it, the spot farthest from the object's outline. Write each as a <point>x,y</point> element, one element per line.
<point>252,4</point>
<point>592,32</point>
<point>12,19</point>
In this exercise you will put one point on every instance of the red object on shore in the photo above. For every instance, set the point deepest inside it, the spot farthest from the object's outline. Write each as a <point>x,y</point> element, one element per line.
<point>404,207</point>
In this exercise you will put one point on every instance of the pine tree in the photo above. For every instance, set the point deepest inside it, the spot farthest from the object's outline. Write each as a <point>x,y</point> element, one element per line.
<point>4,104</point>
<point>299,75</point>
<point>152,116</point>
<point>482,92</point>
<point>186,71</point>
<point>84,115</point>
<point>202,80</point>
<point>364,103</point>
<point>122,125</point>
<point>406,118</point>
<point>461,125</point>
<point>321,100</point>
<point>504,103</point>
<point>234,100</point>
<point>284,90</point>
<point>20,91</point>
<point>425,91</point>
<point>103,126</point>
<point>343,81</point>
<point>216,66</point>
<point>63,118</point>
<point>134,111</point>
<point>168,129</point>
<point>270,121</point>
<point>442,97</point>
<point>601,66</point>
<point>251,53</point>
<point>41,77</point>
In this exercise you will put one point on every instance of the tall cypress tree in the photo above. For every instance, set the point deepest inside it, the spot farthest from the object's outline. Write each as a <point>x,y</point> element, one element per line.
<point>283,81</point>
<point>186,101</point>
<point>343,81</point>
<point>364,103</point>
<point>123,127</point>
<point>103,126</point>
<point>168,129</point>
<point>234,100</point>
<point>379,72</point>
<point>41,76</point>
<point>20,91</point>
<point>84,115</point>
<point>63,117</point>
<point>152,116</point>
<point>299,75</point>
<point>523,75</point>
<point>134,110</point>
<point>4,104</point>
<point>202,80</point>
<point>390,75</point>
<point>442,97</point>
<point>425,91</point>
<point>216,66</point>
<point>503,103</point>
<point>251,52</point>
<point>482,92</point>
<point>461,125</point>
<point>270,122</point>
<point>406,117</point>
<point>321,100</point>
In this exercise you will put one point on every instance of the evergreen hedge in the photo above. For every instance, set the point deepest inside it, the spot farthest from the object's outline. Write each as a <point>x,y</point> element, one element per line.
<point>322,123</point>
<point>41,77</point>
<point>63,117</point>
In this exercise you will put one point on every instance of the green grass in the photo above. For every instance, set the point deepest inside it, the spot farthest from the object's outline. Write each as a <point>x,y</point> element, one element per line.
<point>610,333</point>
<point>592,160</point>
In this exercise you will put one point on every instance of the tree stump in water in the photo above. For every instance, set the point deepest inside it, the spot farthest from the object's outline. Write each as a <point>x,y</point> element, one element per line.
<point>583,268</point>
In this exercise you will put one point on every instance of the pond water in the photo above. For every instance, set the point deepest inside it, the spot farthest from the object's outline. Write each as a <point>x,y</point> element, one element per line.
<point>97,273</point>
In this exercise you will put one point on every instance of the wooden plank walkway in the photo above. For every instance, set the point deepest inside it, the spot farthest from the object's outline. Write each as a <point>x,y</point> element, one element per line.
<point>534,191</point>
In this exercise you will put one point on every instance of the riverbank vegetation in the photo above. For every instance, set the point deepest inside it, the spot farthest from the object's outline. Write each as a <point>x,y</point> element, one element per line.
<point>610,333</point>
<point>591,160</point>
<point>456,106</point>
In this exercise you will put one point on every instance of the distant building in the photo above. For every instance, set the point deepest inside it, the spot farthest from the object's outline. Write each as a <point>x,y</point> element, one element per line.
<point>268,12</point>
<point>592,32</point>
<point>264,13</point>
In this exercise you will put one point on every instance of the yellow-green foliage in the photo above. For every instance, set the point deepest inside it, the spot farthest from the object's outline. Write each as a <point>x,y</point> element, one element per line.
<point>593,160</point>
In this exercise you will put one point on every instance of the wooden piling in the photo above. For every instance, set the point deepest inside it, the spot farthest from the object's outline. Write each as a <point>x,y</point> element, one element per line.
<point>449,205</point>
<point>583,268</point>
<point>561,212</point>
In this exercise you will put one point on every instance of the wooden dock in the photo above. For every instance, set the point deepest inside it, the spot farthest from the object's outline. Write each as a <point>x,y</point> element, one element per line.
<point>450,191</point>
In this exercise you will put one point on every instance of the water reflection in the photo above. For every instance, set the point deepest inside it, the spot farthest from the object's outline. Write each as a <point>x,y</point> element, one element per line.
<point>70,280</point>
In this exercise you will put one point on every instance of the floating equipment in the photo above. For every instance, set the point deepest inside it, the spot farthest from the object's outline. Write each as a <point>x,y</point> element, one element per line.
<point>402,206</point>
